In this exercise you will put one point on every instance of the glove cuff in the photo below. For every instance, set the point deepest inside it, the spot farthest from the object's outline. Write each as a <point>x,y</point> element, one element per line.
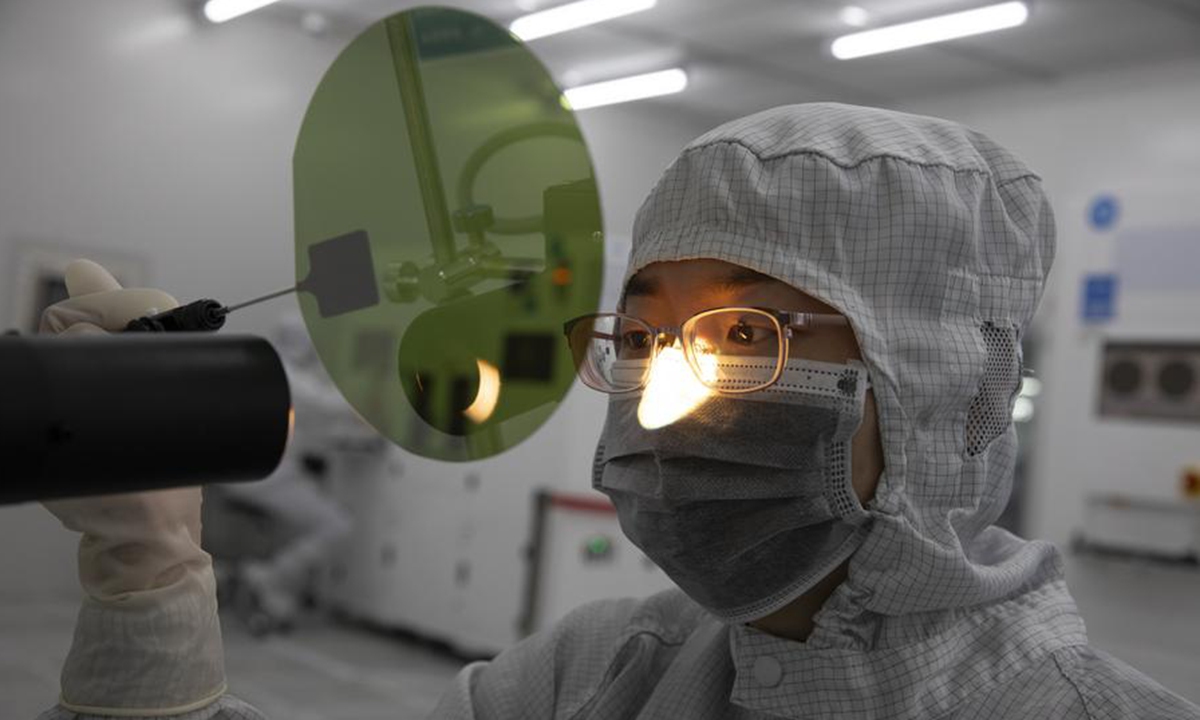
<point>89,710</point>
<point>150,653</point>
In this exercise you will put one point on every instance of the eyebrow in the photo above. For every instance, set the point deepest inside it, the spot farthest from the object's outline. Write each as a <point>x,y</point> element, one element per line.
<point>741,278</point>
<point>639,286</point>
<point>732,281</point>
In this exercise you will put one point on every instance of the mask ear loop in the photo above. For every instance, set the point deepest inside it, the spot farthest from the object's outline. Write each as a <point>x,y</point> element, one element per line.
<point>866,375</point>
<point>785,349</point>
<point>804,320</point>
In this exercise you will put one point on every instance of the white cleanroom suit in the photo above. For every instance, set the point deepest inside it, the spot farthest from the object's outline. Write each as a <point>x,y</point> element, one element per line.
<point>935,242</point>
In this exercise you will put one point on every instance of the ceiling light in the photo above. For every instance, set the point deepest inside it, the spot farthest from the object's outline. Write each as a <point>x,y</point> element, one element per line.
<point>854,16</point>
<point>637,87</point>
<point>314,23</point>
<point>219,11</point>
<point>574,15</point>
<point>931,30</point>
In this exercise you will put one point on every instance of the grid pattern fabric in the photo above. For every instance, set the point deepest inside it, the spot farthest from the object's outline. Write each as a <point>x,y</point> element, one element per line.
<point>923,234</point>
<point>226,708</point>
<point>155,649</point>
<point>664,658</point>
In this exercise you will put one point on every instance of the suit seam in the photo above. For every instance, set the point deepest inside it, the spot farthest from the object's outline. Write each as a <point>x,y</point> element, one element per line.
<point>1019,178</point>
<point>855,165</point>
<point>1074,684</point>
<point>675,229</point>
<point>609,670</point>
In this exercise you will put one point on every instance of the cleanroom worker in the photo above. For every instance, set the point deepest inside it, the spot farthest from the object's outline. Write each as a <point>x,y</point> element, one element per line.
<point>810,430</point>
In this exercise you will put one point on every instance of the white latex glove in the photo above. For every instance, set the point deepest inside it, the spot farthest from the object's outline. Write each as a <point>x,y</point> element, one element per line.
<point>147,641</point>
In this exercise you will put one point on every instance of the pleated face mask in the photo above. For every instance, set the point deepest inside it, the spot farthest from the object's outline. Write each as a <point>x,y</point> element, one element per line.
<point>746,502</point>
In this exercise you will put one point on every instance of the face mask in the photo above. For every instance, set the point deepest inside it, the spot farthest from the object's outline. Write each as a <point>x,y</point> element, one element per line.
<point>746,503</point>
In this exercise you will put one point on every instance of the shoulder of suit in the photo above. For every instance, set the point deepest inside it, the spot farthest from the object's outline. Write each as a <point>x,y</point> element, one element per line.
<point>1111,689</point>
<point>669,616</point>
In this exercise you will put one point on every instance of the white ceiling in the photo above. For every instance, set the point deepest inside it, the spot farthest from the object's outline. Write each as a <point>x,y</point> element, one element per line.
<point>742,55</point>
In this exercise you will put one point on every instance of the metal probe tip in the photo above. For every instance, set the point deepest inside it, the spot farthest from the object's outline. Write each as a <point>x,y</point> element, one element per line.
<point>230,308</point>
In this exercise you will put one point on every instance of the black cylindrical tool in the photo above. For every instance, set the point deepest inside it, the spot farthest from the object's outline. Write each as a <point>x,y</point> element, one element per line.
<point>199,316</point>
<point>95,415</point>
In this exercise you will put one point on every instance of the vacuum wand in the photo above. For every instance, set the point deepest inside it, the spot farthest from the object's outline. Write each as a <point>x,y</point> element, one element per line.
<point>204,315</point>
<point>341,279</point>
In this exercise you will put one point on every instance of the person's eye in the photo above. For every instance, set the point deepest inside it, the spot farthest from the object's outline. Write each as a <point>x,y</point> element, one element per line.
<point>636,339</point>
<point>743,334</point>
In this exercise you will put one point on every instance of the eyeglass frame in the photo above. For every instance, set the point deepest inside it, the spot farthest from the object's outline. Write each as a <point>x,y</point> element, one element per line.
<point>786,321</point>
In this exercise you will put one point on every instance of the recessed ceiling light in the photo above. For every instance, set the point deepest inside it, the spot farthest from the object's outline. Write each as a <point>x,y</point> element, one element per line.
<point>931,30</point>
<point>1023,410</point>
<point>314,23</point>
<point>854,16</point>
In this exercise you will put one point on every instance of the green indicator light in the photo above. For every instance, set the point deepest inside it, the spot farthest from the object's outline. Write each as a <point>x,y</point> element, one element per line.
<point>599,545</point>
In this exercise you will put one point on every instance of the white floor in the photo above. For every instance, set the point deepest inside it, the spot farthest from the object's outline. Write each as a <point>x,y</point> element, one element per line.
<point>321,671</point>
<point>33,642</point>
<point>1146,615</point>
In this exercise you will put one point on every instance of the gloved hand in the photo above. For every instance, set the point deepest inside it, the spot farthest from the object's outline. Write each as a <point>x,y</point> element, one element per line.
<point>147,641</point>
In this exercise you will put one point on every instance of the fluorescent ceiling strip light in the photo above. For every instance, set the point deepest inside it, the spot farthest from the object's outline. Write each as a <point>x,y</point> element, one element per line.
<point>931,30</point>
<point>219,11</point>
<point>574,15</point>
<point>637,87</point>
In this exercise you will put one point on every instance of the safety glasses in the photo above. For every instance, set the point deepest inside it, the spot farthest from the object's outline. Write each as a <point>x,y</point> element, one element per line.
<point>731,350</point>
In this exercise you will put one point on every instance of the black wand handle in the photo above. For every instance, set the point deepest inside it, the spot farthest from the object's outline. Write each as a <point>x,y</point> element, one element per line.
<point>199,316</point>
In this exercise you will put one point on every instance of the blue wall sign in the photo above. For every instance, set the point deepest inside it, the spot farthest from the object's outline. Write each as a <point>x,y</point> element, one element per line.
<point>1103,213</point>
<point>1099,297</point>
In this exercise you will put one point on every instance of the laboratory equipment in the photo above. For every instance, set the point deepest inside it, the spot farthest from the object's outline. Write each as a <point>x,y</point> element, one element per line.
<point>1147,528</point>
<point>1121,400</point>
<point>479,555</point>
<point>577,553</point>
<point>1151,380</point>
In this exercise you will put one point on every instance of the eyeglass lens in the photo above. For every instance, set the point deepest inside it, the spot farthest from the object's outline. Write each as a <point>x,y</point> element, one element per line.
<point>612,352</point>
<point>733,349</point>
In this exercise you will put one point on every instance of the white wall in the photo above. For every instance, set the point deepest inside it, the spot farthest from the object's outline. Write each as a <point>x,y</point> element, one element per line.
<point>1087,135</point>
<point>129,125</point>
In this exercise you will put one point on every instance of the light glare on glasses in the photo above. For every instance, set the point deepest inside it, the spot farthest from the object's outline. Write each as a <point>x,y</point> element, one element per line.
<point>673,390</point>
